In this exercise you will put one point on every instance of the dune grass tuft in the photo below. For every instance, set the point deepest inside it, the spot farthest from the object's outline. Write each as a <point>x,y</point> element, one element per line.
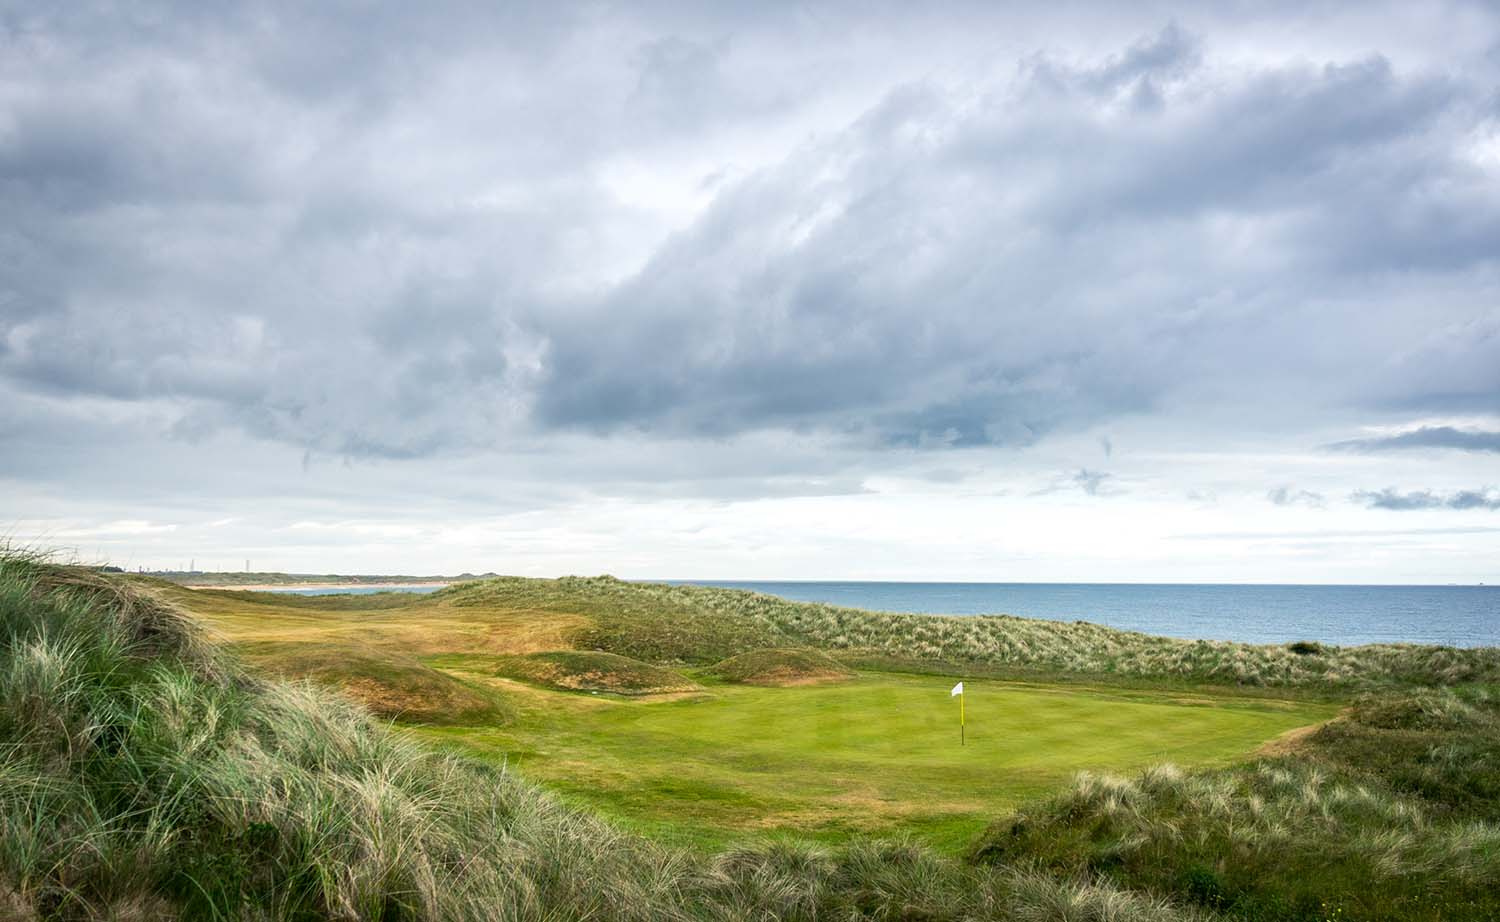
<point>1373,819</point>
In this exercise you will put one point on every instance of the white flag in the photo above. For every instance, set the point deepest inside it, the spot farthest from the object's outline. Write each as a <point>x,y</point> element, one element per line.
<point>957,690</point>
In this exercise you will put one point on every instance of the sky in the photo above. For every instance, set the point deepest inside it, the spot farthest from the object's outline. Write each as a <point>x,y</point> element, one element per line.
<point>1064,291</point>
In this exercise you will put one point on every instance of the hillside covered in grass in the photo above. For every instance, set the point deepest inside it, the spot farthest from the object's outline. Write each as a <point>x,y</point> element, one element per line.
<point>697,626</point>
<point>1390,813</point>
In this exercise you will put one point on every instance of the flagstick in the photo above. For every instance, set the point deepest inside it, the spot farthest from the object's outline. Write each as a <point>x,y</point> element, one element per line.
<point>960,718</point>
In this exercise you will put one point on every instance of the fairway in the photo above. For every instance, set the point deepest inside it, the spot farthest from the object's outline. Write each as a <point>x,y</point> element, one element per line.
<point>879,754</point>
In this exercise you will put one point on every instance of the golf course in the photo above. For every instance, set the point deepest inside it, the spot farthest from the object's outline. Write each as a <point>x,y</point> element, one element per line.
<point>704,716</point>
<point>878,753</point>
<point>595,749</point>
<point>676,746</point>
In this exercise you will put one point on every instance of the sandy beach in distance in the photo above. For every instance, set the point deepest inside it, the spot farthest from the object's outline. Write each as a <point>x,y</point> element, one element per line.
<point>271,587</point>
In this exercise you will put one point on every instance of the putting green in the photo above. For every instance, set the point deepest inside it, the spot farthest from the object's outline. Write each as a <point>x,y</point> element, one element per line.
<point>878,754</point>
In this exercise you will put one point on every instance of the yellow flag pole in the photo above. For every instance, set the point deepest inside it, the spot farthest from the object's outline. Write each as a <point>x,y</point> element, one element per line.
<point>960,718</point>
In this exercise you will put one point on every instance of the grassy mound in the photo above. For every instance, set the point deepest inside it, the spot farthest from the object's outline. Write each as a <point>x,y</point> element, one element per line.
<point>143,776</point>
<point>387,684</point>
<point>625,618</point>
<point>1390,813</point>
<point>780,667</point>
<point>593,671</point>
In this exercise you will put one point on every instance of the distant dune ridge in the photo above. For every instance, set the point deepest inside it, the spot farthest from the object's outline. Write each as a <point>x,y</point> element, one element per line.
<point>234,579</point>
<point>703,624</point>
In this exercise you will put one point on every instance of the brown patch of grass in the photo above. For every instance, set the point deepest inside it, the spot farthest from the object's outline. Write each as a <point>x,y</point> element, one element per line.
<point>410,625</point>
<point>1288,743</point>
<point>387,684</point>
<point>781,667</point>
<point>594,671</point>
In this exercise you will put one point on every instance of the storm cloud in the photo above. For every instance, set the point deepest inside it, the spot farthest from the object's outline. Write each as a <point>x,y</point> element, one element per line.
<point>670,250</point>
<point>1426,437</point>
<point>979,262</point>
<point>1426,499</point>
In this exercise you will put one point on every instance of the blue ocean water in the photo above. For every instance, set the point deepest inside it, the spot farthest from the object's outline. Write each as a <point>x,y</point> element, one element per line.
<point>1461,616</point>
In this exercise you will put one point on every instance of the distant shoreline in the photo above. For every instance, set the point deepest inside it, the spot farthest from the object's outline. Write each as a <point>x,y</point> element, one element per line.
<point>273,587</point>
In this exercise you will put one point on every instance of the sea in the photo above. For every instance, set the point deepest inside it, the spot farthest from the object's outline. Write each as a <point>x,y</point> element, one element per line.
<point>1459,616</point>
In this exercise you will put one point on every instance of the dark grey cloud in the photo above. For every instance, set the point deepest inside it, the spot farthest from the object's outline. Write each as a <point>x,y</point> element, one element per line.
<point>1476,440</point>
<point>1474,499</point>
<point>1092,482</point>
<point>1287,495</point>
<point>1393,499</point>
<point>749,325</point>
<point>382,236</point>
<point>1389,498</point>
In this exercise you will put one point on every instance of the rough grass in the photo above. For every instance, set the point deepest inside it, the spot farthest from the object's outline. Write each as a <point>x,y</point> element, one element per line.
<point>143,776</point>
<point>1390,813</point>
<point>780,667</point>
<point>401,623</point>
<point>591,671</point>
<point>259,578</point>
<point>625,618</point>
<point>386,683</point>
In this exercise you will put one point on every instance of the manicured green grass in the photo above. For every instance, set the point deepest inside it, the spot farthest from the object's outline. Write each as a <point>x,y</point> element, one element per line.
<point>878,754</point>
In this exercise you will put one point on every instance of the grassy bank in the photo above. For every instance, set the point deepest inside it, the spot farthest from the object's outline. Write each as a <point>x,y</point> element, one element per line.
<point>1390,813</point>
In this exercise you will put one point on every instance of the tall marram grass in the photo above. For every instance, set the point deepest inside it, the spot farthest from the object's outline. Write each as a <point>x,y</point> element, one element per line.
<point>1372,821</point>
<point>144,776</point>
